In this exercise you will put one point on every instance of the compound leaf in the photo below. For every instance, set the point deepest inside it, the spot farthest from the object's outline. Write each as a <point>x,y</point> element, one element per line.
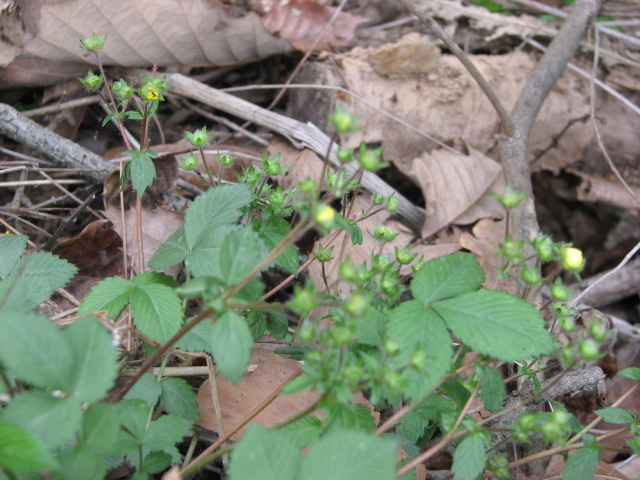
<point>239,254</point>
<point>446,277</point>
<point>179,398</point>
<point>111,294</point>
<point>231,343</point>
<point>166,430</point>
<point>469,459</point>
<point>157,310</point>
<point>172,251</point>
<point>497,324</point>
<point>11,247</point>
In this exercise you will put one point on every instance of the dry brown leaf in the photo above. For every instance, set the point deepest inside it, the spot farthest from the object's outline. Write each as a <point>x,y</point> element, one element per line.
<point>237,401</point>
<point>302,21</point>
<point>598,189</point>
<point>451,184</point>
<point>144,32</point>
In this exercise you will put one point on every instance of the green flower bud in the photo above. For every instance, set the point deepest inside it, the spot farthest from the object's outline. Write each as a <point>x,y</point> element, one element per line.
<point>348,271</point>
<point>341,335</point>
<point>511,250</point>
<point>419,360</point>
<point>325,216</point>
<point>561,418</point>
<point>345,155</point>
<point>190,161</point>
<point>559,291</point>
<point>227,160</point>
<point>307,185</point>
<point>357,305</point>
<point>404,256</point>
<point>572,259</point>
<point>589,349</point>
<point>272,165</point>
<point>343,121</point>
<point>251,176</point>
<point>303,300</point>
<point>384,234</point>
<point>324,254</point>
<point>370,160</point>
<point>598,330</point>
<point>391,348</point>
<point>122,90</point>
<point>153,88</point>
<point>353,373</point>
<point>543,245</point>
<point>551,431</point>
<point>92,81</point>
<point>416,268</point>
<point>94,43</point>
<point>531,275</point>
<point>307,333</point>
<point>392,204</point>
<point>509,199</point>
<point>567,324</point>
<point>377,199</point>
<point>199,138</point>
<point>382,263</point>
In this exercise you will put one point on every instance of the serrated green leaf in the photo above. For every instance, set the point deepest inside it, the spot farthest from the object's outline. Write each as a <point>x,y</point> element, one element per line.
<point>497,324</point>
<point>53,421</point>
<point>491,388</point>
<point>305,431</point>
<point>231,344</point>
<point>156,310</point>
<point>80,463</point>
<point>348,455</point>
<point>100,427</point>
<point>34,349</point>
<point>239,254</point>
<point>289,260</point>
<point>134,415</point>
<point>446,277</point>
<point>156,462</point>
<point>34,279</point>
<point>349,417</point>
<point>412,327</point>
<point>257,322</point>
<point>371,327</point>
<point>143,171</point>
<point>198,339</point>
<point>469,458</point>
<point>632,372</point>
<point>166,430</point>
<point>434,407</point>
<point>179,398</point>
<point>265,454</point>
<point>214,208</point>
<point>147,389</point>
<point>11,248</point>
<point>615,415</point>
<point>277,323</point>
<point>582,464</point>
<point>111,294</point>
<point>95,365</point>
<point>204,259</point>
<point>148,278</point>
<point>356,234</point>
<point>272,231</point>
<point>21,451</point>
<point>172,251</point>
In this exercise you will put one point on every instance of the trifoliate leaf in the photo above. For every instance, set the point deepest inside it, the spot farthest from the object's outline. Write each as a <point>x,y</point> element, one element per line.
<point>156,310</point>
<point>497,324</point>
<point>241,251</point>
<point>491,388</point>
<point>469,458</point>
<point>231,343</point>
<point>111,294</point>
<point>26,345</point>
<point>198,339</point>
<point>265,454</point>
<point>446,277</point>
<point>204,259</point>
<point>349,455</point>
<point>217,206</point>
<point>95,366</point>
<point>21,451</point>
<point>53,421</point>
<point>172,251</point>
<point>11,247</point>
<point>147,389</point>
<point>582,464</point>
<point>166,430</point>
<point>179,398</point>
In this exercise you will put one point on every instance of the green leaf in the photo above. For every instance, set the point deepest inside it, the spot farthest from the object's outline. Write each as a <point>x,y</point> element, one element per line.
<point>497,324</point>
<point>172,251</point>
<point>21,451</point>
<point>582,464</point>
<point>447,277</point>
<point>231,344</point>
<point>11,247</point>
<point>241,251</point>
<point>289,260</point>
<point>111,294</point>
<point>349,417</point>
<point>305,431</point>
<point>147,389</point>
<point>95,365</point>
<point>356,234</point>
<point>347,455</point>
<point>80,463</point>
<point>266,455</point>
<point>179,398</point>
<point>26,345</point>
<point>142,170</point>
<point>632,372</point>
<point>277,323</point>
<point>100,427</point>
<point>167,430</point>
<point>272,231</point>
<point>53,421</point>
<point>492,388</point>
<point>198,339</point>
<point>134,415</point>
<point>257,322</point>
<point>414,327</point>
<point>214,208</point>
<point>615,415</point>
<point>156,462</point>
<point>204,259</point>
<point>149,278</point>
<point>469,459</point>
<point>34,279</point>
<point>157,310</point>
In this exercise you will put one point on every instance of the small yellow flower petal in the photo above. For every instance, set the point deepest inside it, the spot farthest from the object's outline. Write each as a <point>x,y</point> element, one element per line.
<point>572,259</point>
<point>325,216</point>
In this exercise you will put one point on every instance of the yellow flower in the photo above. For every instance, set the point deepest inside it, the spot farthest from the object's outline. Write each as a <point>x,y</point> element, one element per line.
<point>325,216</point>
<point>151,93</point>
<point>572,259</point>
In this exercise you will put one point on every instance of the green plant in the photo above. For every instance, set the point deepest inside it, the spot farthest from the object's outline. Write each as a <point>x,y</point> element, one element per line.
<point>63,416</point>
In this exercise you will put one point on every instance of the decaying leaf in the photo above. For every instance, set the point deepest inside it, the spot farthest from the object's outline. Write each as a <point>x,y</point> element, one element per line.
<point>302,21</point>
<point>598,189</point>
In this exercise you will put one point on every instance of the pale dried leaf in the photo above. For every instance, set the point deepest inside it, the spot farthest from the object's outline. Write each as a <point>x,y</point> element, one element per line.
<point>598,189</point>
<point>172,474</point>
<point>143,32</point>
<point>451,184</point>
<point>302,21</point>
